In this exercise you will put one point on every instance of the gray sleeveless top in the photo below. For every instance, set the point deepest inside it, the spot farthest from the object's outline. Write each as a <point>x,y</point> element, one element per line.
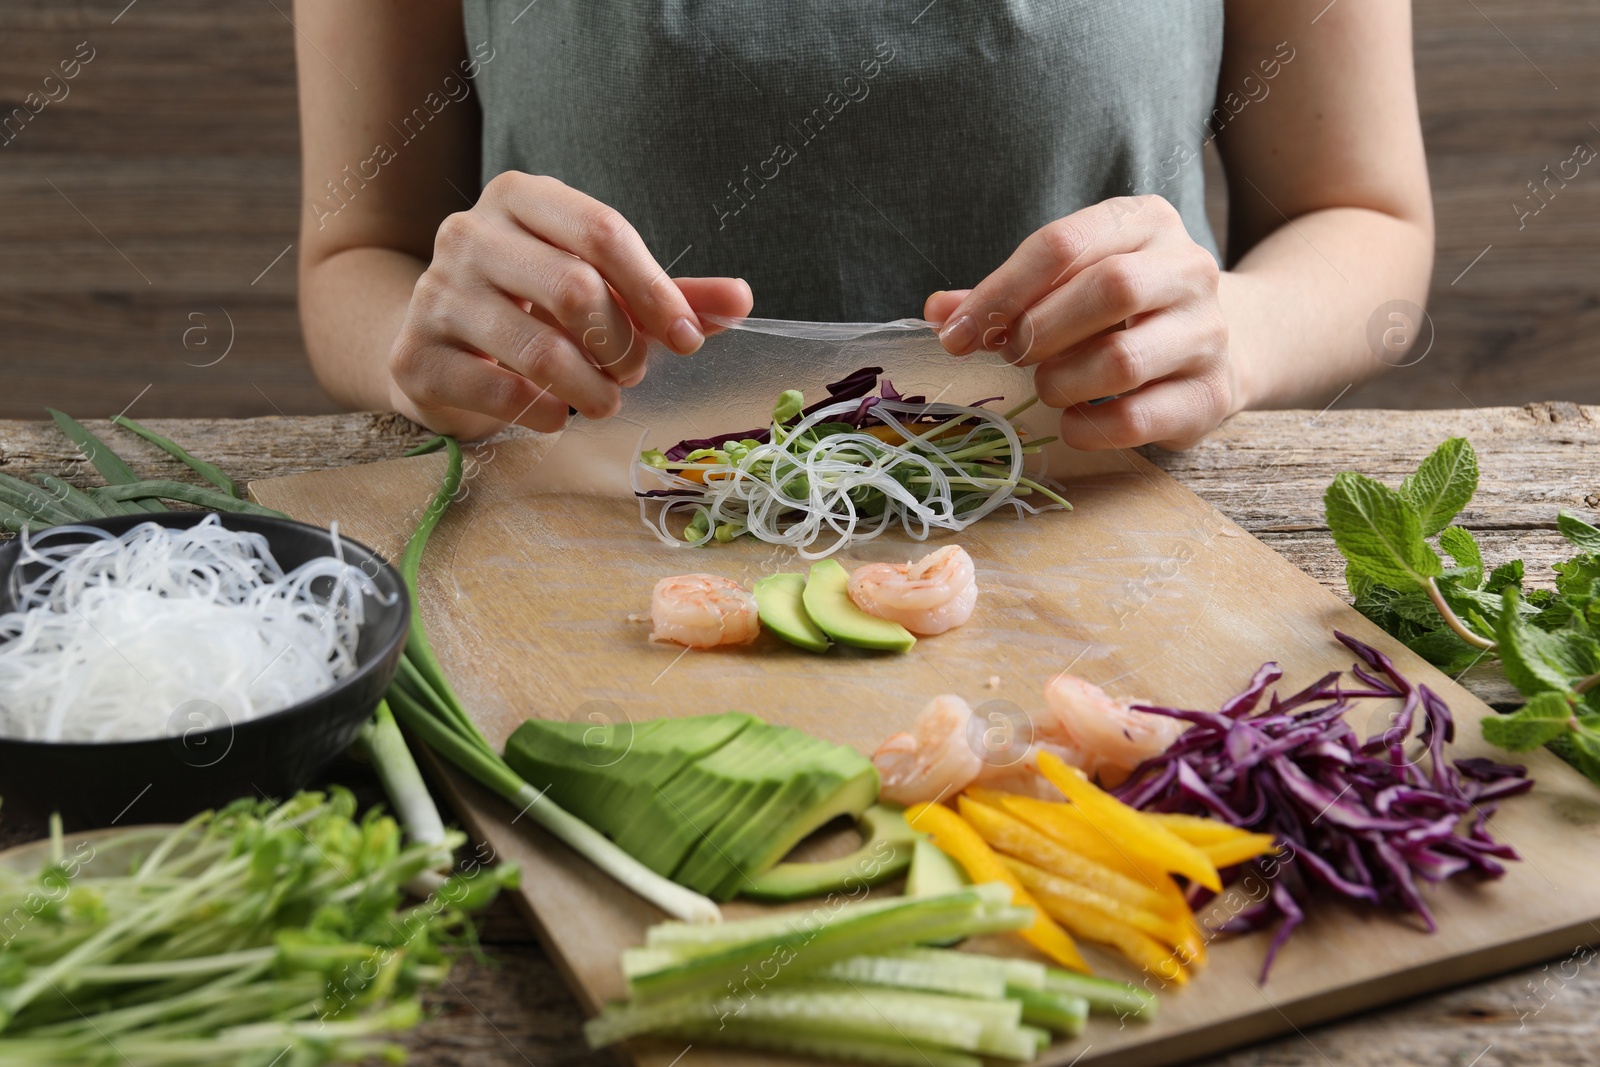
<point>848,159</point>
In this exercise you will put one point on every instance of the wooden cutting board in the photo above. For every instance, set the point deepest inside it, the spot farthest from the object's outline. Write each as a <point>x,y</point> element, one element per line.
<point>533,578</point>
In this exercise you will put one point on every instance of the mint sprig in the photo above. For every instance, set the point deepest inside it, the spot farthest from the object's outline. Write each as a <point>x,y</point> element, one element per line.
<point>1547,643</point>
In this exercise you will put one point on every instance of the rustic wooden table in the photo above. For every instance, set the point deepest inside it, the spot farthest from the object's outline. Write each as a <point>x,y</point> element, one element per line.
<point>1266,471</point>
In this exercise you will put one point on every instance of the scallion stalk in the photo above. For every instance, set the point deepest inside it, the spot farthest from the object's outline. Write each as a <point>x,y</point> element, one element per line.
<point>423,700</point>
<point>108,463</point>
<point>209,471</point>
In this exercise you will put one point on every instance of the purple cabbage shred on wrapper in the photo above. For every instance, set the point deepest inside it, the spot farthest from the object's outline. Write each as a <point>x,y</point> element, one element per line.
<point>858,385</point>
<point>1367,819</point>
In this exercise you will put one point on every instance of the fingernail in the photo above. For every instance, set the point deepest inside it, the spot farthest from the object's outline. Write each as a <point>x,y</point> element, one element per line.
<point>958,336</point>
<point>685,336</point>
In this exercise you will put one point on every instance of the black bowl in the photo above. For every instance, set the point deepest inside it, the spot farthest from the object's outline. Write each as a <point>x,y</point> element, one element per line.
<point>212,762</point>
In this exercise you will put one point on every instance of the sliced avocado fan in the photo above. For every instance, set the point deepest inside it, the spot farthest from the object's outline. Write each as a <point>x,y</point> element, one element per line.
<point>711,801</point>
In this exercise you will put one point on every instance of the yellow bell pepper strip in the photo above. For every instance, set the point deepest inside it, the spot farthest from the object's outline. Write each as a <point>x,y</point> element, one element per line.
<point>1164,915</point>
<point>961,843</point>
<point>1091,924</point>
<point>1008,834</point>
<point>1146,922</point>
<point>1069,827</point>
<point>1197,829</point>
<point>1129,826</point>
<point>1229,853</point>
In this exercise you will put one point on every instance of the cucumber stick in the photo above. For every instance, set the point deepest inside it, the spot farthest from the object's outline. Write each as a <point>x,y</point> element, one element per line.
<point>986,1027</point>
<point>848,931</point>
<point>899,1051</point>
<point>1105,996</point>
<point>857,982</point>
<point>837,1012</point>
<point>1061,1012</point>
<point>934,976</point>
<point>1012,973</point>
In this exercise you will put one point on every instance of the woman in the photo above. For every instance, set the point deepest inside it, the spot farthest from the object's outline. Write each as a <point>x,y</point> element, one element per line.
<point>507,201</point>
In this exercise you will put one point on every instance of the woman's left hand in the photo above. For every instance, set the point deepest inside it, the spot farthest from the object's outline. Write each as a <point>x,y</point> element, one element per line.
<point>1114,301</point>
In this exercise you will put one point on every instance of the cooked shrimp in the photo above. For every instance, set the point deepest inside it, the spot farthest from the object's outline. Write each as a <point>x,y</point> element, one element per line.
<point>936,759</point>
<point>1109,738</point>
<point>948,749</point>
<point>703,611</point>
<point>930,596</point>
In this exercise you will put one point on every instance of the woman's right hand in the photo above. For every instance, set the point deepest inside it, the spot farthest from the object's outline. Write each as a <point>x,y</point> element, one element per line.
<point>537,299</point>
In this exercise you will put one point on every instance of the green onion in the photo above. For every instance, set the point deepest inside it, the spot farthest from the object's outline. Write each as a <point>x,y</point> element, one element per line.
<point>424,701</point>
<point>188,494</point>
<point>209,471</point>
<point>112,506</point>
<point>71,497</point>
<point>402,782</point>
<point>97,452</point>
<point>15,519</point>
<point>31,500</point>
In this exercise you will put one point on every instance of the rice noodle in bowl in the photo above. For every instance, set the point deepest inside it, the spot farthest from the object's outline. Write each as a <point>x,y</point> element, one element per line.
<point>111,635</point>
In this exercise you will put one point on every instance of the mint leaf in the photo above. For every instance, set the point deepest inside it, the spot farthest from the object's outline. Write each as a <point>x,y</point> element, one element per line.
<point>1361,585</point>
<point>1534,661</point>
<point>1443,484</point>
<point>1418,608</point>
<point>1542,719</point>
<point>1464,599</point>
<point>1577,653</point>
<point>1581,747</point>
<point>1578,577</point>
<point>1463,548</point>
<point>1507,574</point>
<point>1577,531</point>
<point>1445,650</point>
<point>1379,532</point>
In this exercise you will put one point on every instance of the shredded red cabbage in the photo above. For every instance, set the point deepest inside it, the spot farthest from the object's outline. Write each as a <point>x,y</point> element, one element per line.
<point>1361,818</point>
<point>858,385</point>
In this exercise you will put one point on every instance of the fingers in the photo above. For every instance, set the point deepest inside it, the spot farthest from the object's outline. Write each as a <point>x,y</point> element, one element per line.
<point>541,352</point>
<point>458,393</point>
<point>729,297</point>
<point>483,260</point>
<point>1120,361</point>
<point>937,308</point>
<point>1173,414</point>
<point>1050,257</point>
<point>599,236</point>
<point>1101,298</point>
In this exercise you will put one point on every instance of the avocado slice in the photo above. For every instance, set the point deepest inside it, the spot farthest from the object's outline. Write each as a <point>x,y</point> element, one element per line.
<point>707,801</point>
<point>605,776</point>
<point>932,872</point>
<point>824,781</point>
<point>886,850</point>
<point>778,602</point>
<point>674,817</point>
<point>827,601</point>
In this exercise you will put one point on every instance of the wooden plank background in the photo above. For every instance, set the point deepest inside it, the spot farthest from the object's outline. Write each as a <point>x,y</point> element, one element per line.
<point>138,214</point>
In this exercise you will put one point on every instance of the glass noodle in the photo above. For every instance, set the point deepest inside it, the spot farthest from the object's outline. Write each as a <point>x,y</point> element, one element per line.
<point>845,472</point>
<point>113,636</point>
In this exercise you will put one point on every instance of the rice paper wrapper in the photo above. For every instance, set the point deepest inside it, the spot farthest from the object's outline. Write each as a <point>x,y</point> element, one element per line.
<point>731,384</point>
